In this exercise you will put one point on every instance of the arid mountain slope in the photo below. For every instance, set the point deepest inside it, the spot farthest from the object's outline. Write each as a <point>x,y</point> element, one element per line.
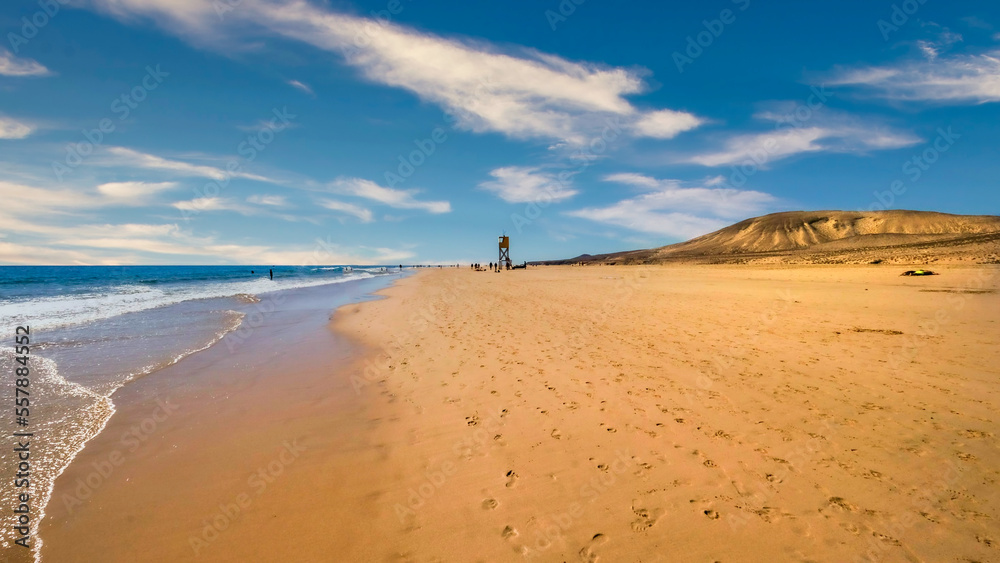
<point>835,237</point>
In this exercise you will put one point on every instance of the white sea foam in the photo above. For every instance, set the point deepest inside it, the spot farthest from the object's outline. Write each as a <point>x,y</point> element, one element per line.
<point>52,312</point>
<point>68,431</point>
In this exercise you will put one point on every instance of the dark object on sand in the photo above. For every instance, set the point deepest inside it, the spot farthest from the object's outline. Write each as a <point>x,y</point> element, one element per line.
<point>919,273</point>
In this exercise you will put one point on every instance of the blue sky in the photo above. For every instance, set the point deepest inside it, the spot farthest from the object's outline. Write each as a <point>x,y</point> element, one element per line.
<point>288,132</point>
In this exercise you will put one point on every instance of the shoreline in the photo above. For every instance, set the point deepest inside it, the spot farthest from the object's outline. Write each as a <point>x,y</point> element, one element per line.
<point>147,407</point>
<point>626,413</point>
<point>98,426</point>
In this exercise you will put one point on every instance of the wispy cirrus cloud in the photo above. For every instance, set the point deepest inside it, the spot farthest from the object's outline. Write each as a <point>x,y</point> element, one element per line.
<point>213,204</point>
<point>251,207</point>
<point>365,215</point>
<point>20,200</point>
<point>958,78</point>
<point>519,92</point>
<point>672,209</point>
<point>11,65</point>
<point>14,129</point>
<point>524,184</point>
<point>301,86</point>
<point>829,131</point>
<point>272,200</point>
<point>399,199</point>
<point>135,193</point>
<point>57,226</point>
<point>129,158</point>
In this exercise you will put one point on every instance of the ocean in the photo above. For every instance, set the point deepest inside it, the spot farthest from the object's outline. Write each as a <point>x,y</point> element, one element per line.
<point>94,329</point>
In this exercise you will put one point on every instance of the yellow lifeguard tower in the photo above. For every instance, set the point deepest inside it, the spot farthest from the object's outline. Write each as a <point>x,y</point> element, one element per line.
<point>505,251</point>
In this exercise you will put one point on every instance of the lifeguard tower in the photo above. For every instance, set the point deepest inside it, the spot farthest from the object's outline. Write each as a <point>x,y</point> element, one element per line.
<point>505,251</point>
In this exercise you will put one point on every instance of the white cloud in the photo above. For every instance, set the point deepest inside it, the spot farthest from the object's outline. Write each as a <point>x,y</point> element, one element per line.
<point>213,204</point>
<point>55,226</point>
<point>522,184</point>
<point>158,244</point>
<point>633,179</point>
<point>357,211</point>
<point>20,200</point>
<point>273,200</point>
<point>665,124</point>
<point>399,199</point>
<point>825,131</point>
<point>955,79</point>
<point>19,253</point>
<point>134,192</point>
<point>134,159</point>
<point>14,66</point>
<point>301,86</point>
<point>521,93</point>
<point>762,147</point>
<point>12,129</point>
<point>675,211</point>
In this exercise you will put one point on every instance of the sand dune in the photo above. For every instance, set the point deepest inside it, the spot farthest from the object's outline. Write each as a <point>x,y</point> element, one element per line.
<point>834,237</point>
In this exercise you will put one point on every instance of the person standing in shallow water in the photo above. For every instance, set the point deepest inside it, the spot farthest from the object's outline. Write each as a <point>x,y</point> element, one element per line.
<point>272,274</point>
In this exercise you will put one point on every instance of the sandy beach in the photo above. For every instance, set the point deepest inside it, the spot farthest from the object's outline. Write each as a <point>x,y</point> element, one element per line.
<point>627,413</point>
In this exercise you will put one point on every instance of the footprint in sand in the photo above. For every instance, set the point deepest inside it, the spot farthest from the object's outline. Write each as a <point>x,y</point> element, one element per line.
<point>472,420</point>
<point>508,532</point>
<point>887,539</point>
<point>839,502</point>
<point>490,504</point>
<point>511,478</point>
<point>850,528</point>
<point>647,518</point>
<point>711,514</point>
<point>556,434</point>
<point>587,554</point>
<point>769,514</point>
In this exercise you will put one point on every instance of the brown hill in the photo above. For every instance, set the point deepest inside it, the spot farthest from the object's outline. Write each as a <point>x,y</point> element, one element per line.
<point>834,237</point>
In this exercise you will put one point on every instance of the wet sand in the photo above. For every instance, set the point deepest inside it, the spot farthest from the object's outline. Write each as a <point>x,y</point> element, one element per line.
<point>575,414</point>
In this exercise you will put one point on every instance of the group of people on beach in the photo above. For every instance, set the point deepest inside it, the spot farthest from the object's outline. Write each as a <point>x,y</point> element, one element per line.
<point>492,267</point>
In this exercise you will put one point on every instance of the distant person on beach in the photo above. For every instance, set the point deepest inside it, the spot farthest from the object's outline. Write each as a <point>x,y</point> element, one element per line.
<point>272,274</point>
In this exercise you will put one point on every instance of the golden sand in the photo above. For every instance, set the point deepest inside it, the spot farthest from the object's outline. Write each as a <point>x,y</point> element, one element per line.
<point>581,414</point>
